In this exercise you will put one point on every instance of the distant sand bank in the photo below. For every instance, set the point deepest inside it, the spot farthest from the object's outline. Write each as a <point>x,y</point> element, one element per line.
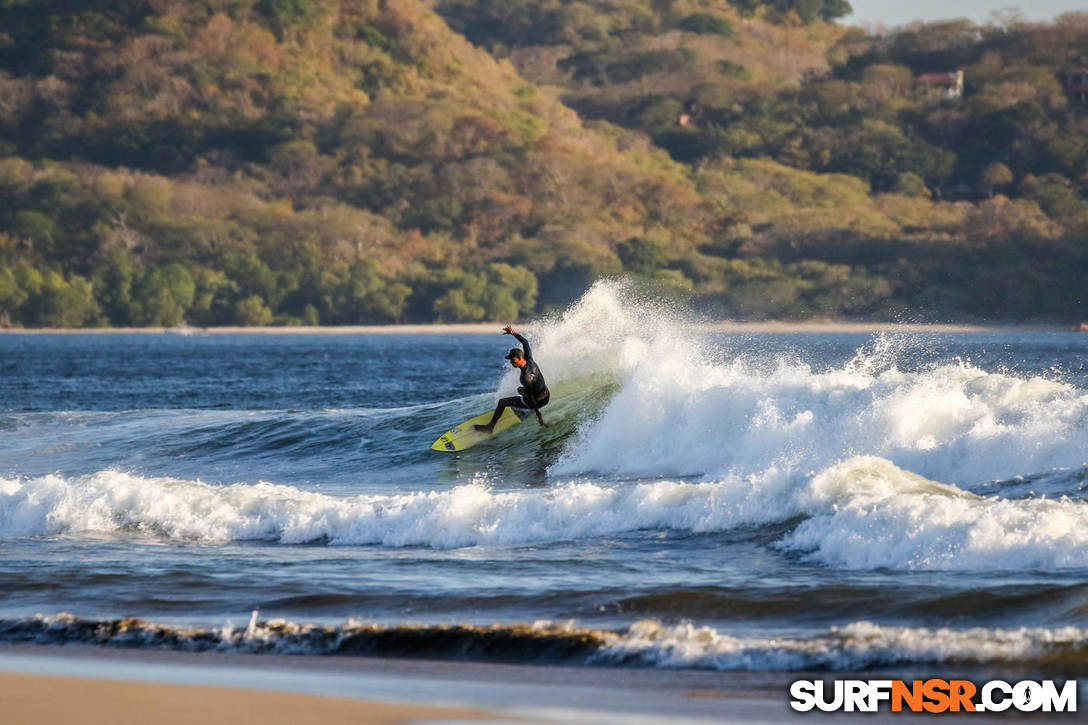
<point>496,328</point>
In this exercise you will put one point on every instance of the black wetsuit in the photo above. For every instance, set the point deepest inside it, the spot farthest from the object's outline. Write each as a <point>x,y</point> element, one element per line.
<point>534,391</point>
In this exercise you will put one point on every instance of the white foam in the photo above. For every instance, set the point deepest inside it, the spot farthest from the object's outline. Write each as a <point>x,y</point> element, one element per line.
<point>863,513</point>
<point>866,513</point>
<point>467,515</point>
<point>857,646</point>
<point>676,416</point>
<point>685,407</point>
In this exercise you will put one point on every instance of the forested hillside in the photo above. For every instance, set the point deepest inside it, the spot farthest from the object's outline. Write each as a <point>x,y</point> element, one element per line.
<point>367,161</point>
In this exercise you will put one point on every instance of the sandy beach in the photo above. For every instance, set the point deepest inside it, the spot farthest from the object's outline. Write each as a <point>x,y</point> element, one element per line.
<point>41,700</point>
<point>740,328</point>
<point>50,685</point>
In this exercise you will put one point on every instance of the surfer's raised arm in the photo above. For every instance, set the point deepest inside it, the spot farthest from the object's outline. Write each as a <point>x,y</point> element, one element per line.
<point>508,330</point>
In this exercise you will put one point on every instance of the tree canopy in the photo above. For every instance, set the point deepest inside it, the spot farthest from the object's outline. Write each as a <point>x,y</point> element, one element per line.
<point>332,161</point>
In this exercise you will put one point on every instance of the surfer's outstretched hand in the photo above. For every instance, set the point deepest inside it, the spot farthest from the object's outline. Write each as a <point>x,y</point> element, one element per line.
<point>508,330</point>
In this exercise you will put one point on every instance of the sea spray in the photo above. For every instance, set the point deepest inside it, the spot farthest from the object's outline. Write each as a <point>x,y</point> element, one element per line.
<point>690,404</point>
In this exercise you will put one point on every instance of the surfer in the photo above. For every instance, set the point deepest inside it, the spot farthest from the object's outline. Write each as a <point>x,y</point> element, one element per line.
<point>533,393</point>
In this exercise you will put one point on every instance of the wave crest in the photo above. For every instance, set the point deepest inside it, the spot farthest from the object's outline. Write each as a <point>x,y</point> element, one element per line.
<point>862,513</point>
<point>647,643</point>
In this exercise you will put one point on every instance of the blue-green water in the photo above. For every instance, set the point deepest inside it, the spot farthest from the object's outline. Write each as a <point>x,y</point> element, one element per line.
<point>699,500</point>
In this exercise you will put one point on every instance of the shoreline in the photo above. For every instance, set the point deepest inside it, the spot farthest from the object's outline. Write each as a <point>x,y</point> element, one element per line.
<point>486,328</point>
<point>364,689</point>
<point>106,686</point>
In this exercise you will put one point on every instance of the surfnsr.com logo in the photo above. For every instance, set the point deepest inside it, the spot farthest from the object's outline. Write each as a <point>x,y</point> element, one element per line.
<point>933,696</point>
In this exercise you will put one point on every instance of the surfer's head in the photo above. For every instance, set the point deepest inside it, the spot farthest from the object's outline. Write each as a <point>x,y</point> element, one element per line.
<point>516,357</point>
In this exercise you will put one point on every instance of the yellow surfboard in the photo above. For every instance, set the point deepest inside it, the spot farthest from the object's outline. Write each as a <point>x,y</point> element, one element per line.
<point>465,436</point>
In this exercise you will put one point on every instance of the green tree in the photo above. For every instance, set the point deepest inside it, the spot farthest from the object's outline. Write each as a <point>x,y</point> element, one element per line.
<point>706,24</point>
<point>252,312</point>
<point>310,316</point>
<point>163,295</point>
<point>214,297</point>
<point>456,306</point>
<point>519,283</point>
<point>834,9</point>
<point>37,227</point>
<point>367,297</point>
<point>995,175</point>
<point>1057,198</point>
<point>911,184</point>
<point>12,295</point>
<point>252,275</point>
<point>57,301</point>
<point>640,255</point>
<point>286,14</point>
<point>498,292</point>
<point>112,282</point>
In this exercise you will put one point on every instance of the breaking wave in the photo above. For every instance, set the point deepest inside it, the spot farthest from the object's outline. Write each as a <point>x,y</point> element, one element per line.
<point>645,643</point>
<point>691,405</point>
<point>862,513</point>
<point>871,464</point>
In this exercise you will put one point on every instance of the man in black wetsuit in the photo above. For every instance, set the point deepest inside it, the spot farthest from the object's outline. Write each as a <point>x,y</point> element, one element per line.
<point>533,393</point>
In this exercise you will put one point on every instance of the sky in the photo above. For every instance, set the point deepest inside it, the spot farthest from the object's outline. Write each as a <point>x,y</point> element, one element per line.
<point>898,12</point>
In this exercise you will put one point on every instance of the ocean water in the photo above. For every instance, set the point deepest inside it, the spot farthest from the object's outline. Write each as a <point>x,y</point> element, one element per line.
<point>715,501</point>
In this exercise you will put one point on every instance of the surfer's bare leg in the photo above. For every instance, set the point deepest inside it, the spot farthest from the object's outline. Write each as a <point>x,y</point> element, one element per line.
<point>503,404</point>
